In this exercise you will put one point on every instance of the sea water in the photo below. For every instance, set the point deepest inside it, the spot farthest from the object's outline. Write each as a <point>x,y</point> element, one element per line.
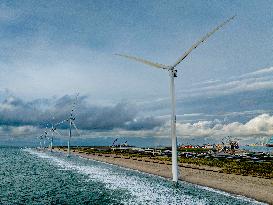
<point>29,176</point>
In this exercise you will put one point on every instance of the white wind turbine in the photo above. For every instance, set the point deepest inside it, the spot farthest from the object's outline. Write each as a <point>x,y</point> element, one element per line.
<point>43,136</point>
<point>53,131</point>
<point>40,140</point>
<point>71,120</point>
<point>173,73</point>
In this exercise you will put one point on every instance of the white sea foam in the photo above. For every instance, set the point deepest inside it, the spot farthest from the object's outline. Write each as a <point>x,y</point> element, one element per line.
<point>142,190</point>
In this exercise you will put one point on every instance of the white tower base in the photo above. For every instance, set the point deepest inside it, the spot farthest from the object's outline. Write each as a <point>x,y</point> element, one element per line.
<point>173,128</point>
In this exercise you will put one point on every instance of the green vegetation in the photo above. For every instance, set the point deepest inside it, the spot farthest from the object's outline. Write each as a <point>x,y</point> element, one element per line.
<point>196,150</point>
<point>243,167</point>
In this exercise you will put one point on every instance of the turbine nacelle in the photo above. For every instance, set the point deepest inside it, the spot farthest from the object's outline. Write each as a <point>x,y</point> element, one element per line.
<point>70,119</point>
<point>173,72</point>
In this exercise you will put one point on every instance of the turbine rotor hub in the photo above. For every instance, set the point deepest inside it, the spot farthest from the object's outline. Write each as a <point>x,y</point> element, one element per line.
<point>173,72</point>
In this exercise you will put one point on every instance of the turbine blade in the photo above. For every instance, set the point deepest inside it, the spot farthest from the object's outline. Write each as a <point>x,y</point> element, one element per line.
<point>156,65</point>
<point>204,38</point>
<point>77,130</point>
<point>58,133</point>
<point>58,123</point>
<point>62,122</point>
<point>74,104</point>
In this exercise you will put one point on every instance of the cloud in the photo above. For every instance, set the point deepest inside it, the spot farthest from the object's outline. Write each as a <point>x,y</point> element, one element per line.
<point>19,131</point>
<point>257,80</point>
<point>18,116</point>
<point>261,125</point>
<point>260,72</point>
<point>8,14</point>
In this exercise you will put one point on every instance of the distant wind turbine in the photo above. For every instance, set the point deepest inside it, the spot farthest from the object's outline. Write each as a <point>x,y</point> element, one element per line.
<point>53,131</point>
<point>43,136</point>
<point>40,140</point>
<point>173,73</point>
<point>71,120</point>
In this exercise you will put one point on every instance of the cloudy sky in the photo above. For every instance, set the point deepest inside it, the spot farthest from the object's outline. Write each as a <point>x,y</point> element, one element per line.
<point>51,50</point>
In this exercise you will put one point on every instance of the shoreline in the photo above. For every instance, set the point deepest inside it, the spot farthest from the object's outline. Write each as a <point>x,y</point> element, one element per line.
<point>260,189</point>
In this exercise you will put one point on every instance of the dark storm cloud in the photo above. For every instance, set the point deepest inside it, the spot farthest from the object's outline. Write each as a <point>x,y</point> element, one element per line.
<point>143,123</point>
<point>42,112</point>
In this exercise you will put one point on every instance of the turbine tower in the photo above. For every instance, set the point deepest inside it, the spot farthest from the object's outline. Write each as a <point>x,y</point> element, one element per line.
<point>52,135</point>
<point>173,73</point>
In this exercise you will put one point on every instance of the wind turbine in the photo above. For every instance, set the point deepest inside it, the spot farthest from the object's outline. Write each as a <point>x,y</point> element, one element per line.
<point>54,130</point>
<point>43,136</point>
<point>71,120</point>
<point>173,73</point>
<point>40,138</point>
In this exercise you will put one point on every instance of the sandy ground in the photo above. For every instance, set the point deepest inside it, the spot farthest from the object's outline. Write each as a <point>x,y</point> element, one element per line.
<point>253,187</point>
